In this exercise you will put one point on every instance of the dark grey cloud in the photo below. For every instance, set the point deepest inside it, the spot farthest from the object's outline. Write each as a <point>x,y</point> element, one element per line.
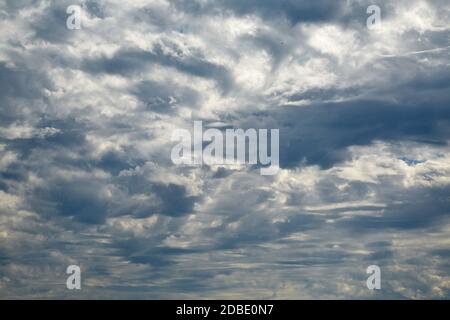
<point>131,62</point>
<point>77,198</point>
<point>20,88</point>
<point>414,209</point>
<point>47,27</point>
<point>359,123</point>
<point>164,98</point>
<point>294,11</point>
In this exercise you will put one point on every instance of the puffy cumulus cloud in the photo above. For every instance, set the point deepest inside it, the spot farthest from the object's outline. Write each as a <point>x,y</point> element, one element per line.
<point>86,118</point>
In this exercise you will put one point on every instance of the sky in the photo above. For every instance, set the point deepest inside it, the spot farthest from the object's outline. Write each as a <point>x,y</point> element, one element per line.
<point>86,178</point>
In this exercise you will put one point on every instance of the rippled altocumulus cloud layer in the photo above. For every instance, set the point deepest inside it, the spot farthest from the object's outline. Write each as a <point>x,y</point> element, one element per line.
<point>86,118</point>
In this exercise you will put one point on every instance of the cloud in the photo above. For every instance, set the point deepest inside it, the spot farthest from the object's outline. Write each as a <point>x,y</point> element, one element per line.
<point>293,11</point>
<point>86,118</point>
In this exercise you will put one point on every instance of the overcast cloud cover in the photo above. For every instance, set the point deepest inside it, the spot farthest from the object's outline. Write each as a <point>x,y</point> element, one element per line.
<point>86,118</point>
